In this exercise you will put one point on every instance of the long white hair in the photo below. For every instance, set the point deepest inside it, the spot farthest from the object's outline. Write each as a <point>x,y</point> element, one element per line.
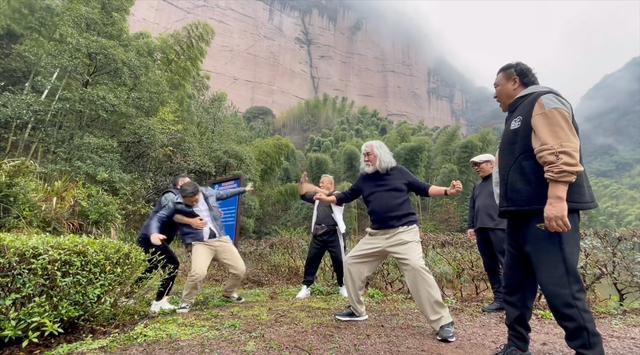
<point>382,152</point>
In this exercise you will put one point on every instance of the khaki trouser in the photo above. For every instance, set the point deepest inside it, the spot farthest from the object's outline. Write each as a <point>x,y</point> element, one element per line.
<point>403,244</point>
<point>202,253</point>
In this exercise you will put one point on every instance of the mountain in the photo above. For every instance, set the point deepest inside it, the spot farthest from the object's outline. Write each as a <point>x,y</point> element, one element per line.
<point>609,119</point>
<point>276,53</point>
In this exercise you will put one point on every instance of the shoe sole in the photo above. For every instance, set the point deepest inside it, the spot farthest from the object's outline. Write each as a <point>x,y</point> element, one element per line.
<point>493,311</point>
<point>446,340</point>
<point>234,301</point>
<point>182,311</point>
<point>347,319</point>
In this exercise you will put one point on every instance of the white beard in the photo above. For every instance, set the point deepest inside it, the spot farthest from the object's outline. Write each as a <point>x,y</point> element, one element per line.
<point>368,169</point>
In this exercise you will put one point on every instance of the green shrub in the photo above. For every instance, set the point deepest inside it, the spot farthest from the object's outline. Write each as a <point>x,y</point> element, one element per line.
<point>59,206</point>
<point>51,284</point>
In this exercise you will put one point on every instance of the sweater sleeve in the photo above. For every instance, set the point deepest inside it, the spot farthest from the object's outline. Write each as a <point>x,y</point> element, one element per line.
<point>415,185</point>
<point>555,140</point>
<point>351,194</point>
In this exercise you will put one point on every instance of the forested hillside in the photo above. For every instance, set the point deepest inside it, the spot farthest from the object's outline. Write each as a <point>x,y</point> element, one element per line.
<point>609,117</point>
<point>95,121</point>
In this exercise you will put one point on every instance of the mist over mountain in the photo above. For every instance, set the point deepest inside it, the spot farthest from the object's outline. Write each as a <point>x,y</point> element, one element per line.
<point>609,119</point>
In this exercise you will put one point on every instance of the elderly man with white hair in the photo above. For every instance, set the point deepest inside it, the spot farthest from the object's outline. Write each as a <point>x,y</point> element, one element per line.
<point>487,228</point>
<point>385,188</point>
<point>327,231</point>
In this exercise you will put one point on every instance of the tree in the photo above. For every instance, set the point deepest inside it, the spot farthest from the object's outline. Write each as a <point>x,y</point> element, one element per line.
<point>349,163</point>
<point>318,164</point>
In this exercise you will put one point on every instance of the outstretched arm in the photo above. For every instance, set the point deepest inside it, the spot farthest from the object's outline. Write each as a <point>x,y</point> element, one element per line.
<point>306,187</point>
<point>454,189</point>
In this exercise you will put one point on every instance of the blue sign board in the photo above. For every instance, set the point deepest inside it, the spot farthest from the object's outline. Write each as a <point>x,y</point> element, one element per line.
<point>229,207</point>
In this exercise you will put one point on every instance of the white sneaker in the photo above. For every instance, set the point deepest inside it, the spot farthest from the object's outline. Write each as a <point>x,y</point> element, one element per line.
<point>155,306</point>
<point>162,305</point>
<point>343,291</point>
<point>305,292</point>
<point>166,306</point>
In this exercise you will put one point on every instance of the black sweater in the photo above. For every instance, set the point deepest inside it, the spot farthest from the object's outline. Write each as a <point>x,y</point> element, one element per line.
<point>387,197</point>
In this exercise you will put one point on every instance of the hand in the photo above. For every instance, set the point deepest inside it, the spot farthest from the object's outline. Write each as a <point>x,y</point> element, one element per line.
<point>471,234</point>
<point>157,238</point>
<point>304,178</point>
<point>322,197</point>
<point>556,216</point>
<point>249,187</point>
<point>197,223</point>
<point>455,188</point>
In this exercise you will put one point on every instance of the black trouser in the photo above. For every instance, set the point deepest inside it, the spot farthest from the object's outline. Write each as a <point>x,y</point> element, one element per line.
<point>533,257</point>
<point>160,257</point>
<point>319,245</point>
<point>491,245</point>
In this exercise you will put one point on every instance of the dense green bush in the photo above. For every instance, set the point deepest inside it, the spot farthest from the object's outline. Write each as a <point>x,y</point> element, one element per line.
<point>50,284</point>
<point>59,206</point>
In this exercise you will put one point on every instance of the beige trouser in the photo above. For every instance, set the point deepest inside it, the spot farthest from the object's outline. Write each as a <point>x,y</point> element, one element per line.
<point>202,253</point>
<point>403,244</point>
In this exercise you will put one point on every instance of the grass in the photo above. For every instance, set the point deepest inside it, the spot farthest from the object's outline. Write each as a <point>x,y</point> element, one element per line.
<point>213,317</point>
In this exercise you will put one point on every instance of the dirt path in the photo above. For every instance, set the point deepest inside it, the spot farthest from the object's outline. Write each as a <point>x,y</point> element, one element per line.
<point>271,322</point>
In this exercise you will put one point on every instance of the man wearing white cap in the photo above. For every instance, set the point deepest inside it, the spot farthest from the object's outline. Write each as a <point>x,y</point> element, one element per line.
<point>487,228</point>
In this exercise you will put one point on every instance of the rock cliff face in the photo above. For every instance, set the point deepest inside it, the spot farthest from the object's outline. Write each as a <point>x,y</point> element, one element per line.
<point>272,53</point>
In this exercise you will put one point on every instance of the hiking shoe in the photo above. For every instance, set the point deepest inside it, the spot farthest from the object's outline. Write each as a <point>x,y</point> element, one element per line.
<point>162,305</point>
<point>493,307</point>
<point>305,292</point>
<point>235,298</point>
<point>184,308</point>
<point>342,290</point>
<point>507,349</point>
<point>349,315</point>
<point>447,333</point>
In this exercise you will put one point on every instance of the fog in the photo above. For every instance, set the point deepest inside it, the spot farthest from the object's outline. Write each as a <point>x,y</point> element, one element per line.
<point>570,44</point>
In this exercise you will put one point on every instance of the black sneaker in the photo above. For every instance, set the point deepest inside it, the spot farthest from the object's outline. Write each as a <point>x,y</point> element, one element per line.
<point>507,349</point>
<point>493,307</point>
<point>446,333</point>
<point>349,315</point>
<point>235,298</point>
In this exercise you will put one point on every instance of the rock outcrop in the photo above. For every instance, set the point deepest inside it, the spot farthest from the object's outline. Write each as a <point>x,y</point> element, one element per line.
<point>274,53</point>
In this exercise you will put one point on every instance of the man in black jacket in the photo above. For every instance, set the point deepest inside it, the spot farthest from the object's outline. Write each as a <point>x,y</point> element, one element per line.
<point>159,254</point>
<point>543,188</point>
<point>487,228</point>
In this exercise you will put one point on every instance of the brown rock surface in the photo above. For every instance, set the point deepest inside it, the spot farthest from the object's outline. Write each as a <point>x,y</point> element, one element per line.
<point>276,57</point>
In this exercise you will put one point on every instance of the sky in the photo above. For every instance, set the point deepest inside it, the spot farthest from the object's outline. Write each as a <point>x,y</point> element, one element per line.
<point>571,45</point>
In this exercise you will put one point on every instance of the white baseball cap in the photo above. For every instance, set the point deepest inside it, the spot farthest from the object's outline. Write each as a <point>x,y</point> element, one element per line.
<point>482,158</point>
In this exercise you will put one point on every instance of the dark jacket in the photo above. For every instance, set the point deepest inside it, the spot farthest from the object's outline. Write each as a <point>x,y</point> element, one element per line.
<point>188,233</point>
<point>168,228</point>
<point>523,186</point>
<point>483,209</point>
